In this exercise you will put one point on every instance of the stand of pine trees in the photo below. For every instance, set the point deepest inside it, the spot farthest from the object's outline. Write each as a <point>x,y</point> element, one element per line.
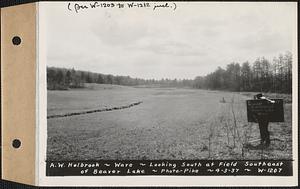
<point>261,76</point>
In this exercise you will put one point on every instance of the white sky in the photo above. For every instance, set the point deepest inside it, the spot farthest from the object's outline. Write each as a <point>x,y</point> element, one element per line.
<point>193,40</point>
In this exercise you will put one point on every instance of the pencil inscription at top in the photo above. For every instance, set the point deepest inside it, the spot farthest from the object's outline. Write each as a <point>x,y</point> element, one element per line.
<point>79,7</point>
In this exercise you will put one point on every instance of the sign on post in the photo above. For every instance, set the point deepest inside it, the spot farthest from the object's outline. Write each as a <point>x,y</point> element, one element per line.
<point>264,108</point>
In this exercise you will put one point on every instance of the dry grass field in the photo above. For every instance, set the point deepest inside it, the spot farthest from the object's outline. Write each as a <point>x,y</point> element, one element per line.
<point>170,123</point>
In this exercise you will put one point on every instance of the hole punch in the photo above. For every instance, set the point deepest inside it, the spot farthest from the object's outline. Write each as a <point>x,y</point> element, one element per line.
<point>16,40</point>
<point>16,143</point>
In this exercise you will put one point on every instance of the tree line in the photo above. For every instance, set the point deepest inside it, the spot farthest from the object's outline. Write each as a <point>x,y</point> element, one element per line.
<point>262,75</point>
<point>64,79</point>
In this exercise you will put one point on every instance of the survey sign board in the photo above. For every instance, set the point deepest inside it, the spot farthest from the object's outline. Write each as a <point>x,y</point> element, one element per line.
<point>265,109</point>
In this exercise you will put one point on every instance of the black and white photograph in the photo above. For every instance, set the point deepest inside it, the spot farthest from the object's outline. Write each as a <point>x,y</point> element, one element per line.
<point>170,81</point>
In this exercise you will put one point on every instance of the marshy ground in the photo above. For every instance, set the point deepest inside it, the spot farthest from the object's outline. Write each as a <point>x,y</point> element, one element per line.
<point>169,123</point>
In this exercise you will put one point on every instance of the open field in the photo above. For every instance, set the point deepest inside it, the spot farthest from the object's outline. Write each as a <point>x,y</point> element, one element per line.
<point>169,123</point>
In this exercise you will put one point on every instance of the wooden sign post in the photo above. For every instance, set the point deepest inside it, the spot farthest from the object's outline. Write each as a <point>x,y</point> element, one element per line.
<point>263,111</point>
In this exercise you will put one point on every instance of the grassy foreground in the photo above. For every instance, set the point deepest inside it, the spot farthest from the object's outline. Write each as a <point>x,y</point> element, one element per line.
<point>170,123</point>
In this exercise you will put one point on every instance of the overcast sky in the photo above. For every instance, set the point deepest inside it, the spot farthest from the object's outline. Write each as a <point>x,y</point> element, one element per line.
<point>193,40</point>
